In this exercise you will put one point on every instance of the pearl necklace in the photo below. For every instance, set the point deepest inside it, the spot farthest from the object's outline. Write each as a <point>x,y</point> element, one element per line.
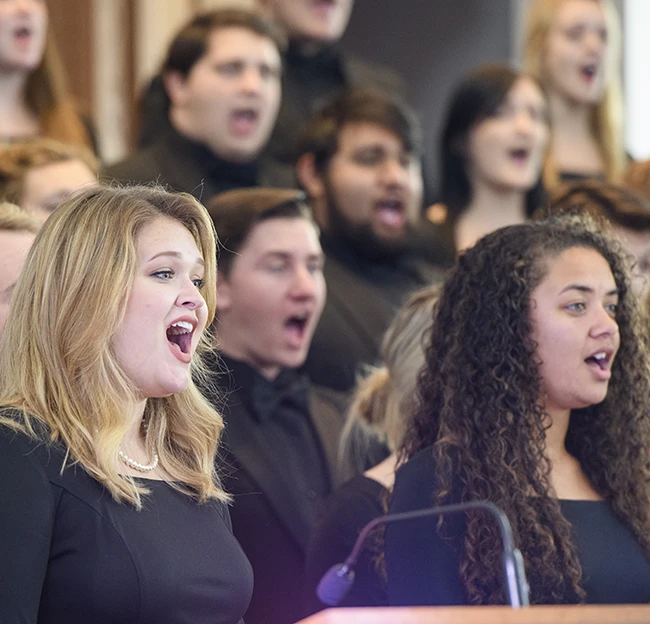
<point>137,465</point>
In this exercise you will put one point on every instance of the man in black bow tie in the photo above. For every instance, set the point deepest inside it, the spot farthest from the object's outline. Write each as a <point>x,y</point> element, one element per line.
<point>281,433</point>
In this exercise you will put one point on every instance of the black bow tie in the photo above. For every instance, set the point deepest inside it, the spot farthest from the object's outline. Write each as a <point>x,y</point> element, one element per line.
<point>289,389</point>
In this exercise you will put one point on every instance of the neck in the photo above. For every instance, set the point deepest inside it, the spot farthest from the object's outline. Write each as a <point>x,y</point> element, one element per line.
<point>309,47</point>
<point>16,118</point>
<point>134,434</point>
<point>491,208</point>
<point>556,436</point>
<point>227,348</point>
<point>568,116</point>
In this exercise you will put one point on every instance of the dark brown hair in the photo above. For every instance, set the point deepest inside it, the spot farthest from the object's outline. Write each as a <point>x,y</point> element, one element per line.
<point>192,41</point>
<point>235,213</point>
<point>603,201</point>
<point>360,105</point>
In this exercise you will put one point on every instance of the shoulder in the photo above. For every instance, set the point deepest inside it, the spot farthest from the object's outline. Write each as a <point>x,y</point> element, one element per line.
<point>415,482</point>
<point>142,166</point>
<point>15,439</point>
<point>358,497</point>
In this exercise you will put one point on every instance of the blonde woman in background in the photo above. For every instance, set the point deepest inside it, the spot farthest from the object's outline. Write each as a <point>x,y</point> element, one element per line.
<point>375,427</point>
<point>107,447</point>
<point>34,100</point>
<point>573,47</point>
<point>17,232</point>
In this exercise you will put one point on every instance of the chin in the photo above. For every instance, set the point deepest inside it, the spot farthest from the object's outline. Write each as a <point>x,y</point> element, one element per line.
<point>295,360</point>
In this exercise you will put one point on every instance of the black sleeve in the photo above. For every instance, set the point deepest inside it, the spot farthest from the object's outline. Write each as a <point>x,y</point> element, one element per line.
<point>347,511</point>
<point>26,525</point>
<point>422,567</point>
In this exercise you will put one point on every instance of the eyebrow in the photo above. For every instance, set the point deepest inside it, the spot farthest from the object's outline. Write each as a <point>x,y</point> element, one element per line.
<point>587,289</point>
<point>288,254</point>
<point>175,254</point>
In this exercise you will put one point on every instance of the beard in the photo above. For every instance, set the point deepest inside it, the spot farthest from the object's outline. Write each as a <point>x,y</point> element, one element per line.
<point>361,237</point>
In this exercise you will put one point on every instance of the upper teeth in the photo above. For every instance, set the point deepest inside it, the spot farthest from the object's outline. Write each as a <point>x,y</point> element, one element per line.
<point>183,325</point>
<point>600,356</point>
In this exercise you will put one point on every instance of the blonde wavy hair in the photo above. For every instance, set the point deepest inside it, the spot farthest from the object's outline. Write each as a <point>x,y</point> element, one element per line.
<point>57,362</point>
<point>607,115</point>
<point>15,219</point>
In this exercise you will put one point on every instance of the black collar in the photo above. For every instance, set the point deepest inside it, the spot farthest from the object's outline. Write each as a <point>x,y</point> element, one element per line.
<point>262,396</point>
<point>238,175</point>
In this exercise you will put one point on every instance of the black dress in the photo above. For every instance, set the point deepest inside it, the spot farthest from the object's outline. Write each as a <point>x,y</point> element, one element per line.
<point>422,568</point>
<point>70,554</point>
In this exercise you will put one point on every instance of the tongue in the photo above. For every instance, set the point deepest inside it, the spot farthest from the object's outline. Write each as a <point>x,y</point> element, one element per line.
<point>594,361</point>
<point>182,341</point>
<point>295,332</point>
<point>242,123</point>
<point>390,217</point>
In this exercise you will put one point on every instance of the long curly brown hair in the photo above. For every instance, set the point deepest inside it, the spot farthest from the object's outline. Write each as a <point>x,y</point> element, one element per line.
<point>479,408</point>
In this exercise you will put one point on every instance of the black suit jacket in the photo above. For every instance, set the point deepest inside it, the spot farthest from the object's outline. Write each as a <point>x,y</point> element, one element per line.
<point>362,299</point>
<point>176,162</point>
<point>265,505</point>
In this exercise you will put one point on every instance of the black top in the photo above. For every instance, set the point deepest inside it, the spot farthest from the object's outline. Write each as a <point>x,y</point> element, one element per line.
<point>175,161</point>
<point>422,568</point>
<point>363,295</point>
<point>71,554</point>
<point>348,510</point>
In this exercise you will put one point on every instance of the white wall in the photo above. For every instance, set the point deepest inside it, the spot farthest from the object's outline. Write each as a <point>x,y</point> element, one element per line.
<point>637,78</point>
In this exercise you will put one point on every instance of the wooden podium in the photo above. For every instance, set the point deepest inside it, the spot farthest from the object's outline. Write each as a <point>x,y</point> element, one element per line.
<point>561,614</point>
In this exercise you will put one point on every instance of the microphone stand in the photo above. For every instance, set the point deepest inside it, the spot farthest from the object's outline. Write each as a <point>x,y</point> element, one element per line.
<point>338,580</point>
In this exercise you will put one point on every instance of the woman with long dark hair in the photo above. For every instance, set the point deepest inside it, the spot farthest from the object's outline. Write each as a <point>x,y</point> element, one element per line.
<point>534,397</point>
<point>492,150</point>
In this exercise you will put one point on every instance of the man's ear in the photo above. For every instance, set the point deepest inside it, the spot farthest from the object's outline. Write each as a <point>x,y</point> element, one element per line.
<point>309,178</point>
<point>176,87</point>
<point>224,299</point>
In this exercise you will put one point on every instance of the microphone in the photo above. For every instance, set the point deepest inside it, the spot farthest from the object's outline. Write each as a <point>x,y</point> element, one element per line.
<point>338,580</point>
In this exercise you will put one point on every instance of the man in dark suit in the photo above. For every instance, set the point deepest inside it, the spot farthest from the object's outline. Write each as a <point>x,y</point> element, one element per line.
<point>315,67</point>
<point>360,164</point>
<point>281,432</point>
<point>221,95</point>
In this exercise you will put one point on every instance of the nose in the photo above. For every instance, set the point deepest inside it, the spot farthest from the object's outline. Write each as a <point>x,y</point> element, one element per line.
<point>303,284</point>
<point>604,324</point>
<point>189,296</point>
<point>524,123</point>
<point>594,41</point>
<point>251,80</point>
<point>393,173</point>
